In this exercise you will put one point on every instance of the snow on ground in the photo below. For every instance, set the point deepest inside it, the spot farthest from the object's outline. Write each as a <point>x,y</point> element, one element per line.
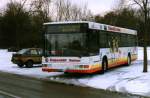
<point>124,79</point>
<point>128,79</point>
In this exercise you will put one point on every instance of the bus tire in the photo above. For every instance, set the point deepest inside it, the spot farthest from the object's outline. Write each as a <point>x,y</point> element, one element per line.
<point>104,65</point>
<point>128,60</point>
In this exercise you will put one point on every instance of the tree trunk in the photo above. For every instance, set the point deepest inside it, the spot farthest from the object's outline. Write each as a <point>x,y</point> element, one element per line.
<point>145,4</point>
<point>145,58</point>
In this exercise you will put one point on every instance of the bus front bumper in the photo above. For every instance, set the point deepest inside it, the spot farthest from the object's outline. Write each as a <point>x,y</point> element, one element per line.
<point>46,69</point>
<point>88,71</point>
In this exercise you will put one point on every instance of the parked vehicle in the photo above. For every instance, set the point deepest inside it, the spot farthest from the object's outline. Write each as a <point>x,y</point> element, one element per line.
<point>27,57</point>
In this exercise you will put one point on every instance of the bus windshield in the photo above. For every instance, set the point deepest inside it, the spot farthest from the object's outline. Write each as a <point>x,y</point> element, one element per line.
<point>66,44</point>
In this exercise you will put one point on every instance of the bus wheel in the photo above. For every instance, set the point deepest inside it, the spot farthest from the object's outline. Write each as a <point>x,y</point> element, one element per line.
<point>104,65</point>
<point>128,60</point>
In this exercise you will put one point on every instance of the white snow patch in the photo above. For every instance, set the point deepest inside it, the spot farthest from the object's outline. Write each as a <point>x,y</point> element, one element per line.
<point>140,53</point>
<point>126,79</point>
<point>137,87</point>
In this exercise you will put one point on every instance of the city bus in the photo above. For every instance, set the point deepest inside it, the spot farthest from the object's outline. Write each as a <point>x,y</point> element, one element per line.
<point>87,47</point>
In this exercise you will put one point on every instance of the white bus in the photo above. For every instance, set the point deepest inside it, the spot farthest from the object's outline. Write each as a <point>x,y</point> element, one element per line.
<point>87,47</point>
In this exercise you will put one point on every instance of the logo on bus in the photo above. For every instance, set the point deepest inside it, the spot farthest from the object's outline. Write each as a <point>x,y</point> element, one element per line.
<point>114,44</point>
<point>115,29</point>
<point>61,60</point>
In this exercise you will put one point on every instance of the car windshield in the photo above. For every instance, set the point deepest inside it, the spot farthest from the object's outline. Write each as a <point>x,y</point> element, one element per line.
<point>22,51</point>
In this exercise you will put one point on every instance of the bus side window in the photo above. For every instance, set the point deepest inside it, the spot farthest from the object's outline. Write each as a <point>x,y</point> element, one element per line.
<point>93,41</point>
<point>113,42</point>
<point>110,41</point>
<point>133,40</point>
<point>117,41</point>
<point>103,39</point>
<point>123,42</point>
<point>136,40</point>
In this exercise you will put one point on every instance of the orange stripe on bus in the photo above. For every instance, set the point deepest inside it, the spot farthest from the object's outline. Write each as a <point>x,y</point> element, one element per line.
<point>84,71</point>
<point>45,69</point>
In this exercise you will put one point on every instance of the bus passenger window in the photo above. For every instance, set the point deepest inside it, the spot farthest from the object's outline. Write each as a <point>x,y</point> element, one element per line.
<point>93,41</point>
<point>103,39</point>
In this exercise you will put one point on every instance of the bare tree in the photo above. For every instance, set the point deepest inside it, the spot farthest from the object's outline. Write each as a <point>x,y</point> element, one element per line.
<point>86,14</point>
<point>17,11</point>
<point>40,7</point>
<point>21,5</point>
<point>66,10</point>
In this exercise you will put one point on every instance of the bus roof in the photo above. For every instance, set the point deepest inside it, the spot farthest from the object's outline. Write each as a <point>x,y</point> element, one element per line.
<point>98,26</point>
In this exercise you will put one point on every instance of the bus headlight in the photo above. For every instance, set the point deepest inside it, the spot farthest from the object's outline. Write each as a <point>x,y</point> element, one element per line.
<point>84,66</point>
<point>44,65</point>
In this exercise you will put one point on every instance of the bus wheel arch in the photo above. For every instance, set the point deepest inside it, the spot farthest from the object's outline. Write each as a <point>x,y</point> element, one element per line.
<point>104,64</point>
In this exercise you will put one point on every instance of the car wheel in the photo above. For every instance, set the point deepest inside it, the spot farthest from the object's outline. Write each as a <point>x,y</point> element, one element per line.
<point>20,64</point>
<point>29,64</point>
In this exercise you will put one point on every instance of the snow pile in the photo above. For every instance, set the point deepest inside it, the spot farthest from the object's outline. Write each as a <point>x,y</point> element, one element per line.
<point>5,58</point>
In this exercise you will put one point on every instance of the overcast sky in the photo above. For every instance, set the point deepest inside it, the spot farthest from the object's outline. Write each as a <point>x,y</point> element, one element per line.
<point>96,6</point>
